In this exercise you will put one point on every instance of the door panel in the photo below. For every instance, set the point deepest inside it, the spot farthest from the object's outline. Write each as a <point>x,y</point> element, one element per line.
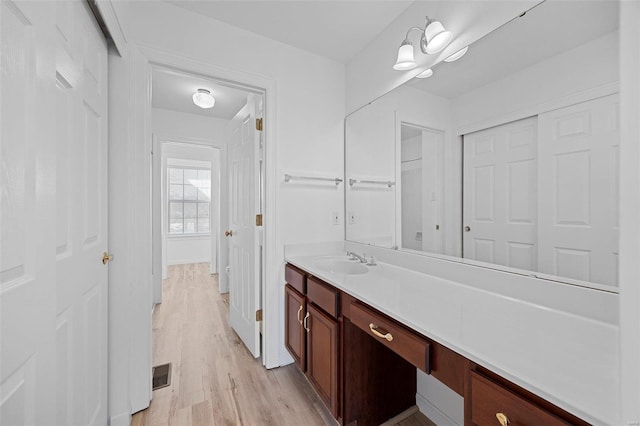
<point>27,216</point>
<point>579,210</point>
<point>81,182</point>
<point>244,253</point>
<point>322,356</point>
<point>53,283</point>
<point>500,195</point>
<point>295,310</point>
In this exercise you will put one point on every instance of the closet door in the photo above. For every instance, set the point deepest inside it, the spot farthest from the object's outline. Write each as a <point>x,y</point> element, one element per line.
<point>579,156</point>
<point>500,195</point>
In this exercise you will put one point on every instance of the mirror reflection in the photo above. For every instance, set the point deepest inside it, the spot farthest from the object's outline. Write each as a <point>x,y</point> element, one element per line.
<point>508,156</point>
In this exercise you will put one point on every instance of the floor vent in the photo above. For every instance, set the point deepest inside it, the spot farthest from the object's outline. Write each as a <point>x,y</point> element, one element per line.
<point>161,376</point>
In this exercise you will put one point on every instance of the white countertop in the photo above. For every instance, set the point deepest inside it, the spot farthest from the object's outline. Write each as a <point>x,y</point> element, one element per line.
<point>567,358</point>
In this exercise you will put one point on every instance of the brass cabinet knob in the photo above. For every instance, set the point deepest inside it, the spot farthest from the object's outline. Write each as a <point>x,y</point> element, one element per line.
<point>504,420</point>
<point>106,258</point>
<point>228,233</point>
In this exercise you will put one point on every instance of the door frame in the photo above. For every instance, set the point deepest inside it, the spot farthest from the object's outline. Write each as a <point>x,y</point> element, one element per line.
<point>143,59</point>
<point>153,57</point>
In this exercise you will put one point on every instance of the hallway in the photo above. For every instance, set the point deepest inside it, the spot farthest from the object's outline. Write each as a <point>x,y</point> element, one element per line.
<point>214,379</point>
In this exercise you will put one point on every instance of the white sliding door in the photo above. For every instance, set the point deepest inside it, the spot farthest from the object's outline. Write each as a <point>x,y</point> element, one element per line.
<point>500,195</point>
<point>579,209</point>
<point>53,284</point>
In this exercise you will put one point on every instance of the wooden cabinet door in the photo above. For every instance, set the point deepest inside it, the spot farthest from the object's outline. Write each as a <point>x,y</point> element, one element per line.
<point>322,356</point>
<point>295,335</point>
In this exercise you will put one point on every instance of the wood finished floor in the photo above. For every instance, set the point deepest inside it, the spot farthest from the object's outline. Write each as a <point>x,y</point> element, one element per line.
<point>214,379</point>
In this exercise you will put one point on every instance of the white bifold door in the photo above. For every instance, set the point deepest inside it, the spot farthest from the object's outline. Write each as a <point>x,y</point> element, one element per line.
<point>243,235</point>
<point>541,194</point>
<point>53,283</point>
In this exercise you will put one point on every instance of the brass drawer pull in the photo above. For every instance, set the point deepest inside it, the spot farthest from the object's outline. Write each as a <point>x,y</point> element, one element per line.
<point>299,312</point>
<point>504,420</point>
<point>306,322</point>
<point>374,330</point>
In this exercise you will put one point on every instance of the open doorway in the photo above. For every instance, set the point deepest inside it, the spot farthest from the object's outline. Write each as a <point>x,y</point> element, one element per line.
<point>207,194</point>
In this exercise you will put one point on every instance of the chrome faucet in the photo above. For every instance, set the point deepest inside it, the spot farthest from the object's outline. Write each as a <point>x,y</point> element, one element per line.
<point>356,256</point>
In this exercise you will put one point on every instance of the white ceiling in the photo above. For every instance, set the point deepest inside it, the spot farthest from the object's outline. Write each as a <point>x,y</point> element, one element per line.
<point>545,31</point>
<point>173,90</point>
<point>335,29</point>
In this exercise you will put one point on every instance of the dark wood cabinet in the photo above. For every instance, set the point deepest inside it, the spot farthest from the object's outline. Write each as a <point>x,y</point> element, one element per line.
<point>295,334</point>
<point>362,363</point>
<point>312,333</point>
<point>322,356</point>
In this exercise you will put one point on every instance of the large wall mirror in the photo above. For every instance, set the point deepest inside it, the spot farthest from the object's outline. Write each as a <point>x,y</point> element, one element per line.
<point>506,158</point>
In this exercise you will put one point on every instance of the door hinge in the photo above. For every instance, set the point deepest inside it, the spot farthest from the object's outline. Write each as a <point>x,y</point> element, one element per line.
<point>259,125</point>
<point>259,219</point>
<point>259,315</point>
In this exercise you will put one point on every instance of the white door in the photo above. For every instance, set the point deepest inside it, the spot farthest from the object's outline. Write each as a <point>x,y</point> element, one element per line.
<point>500,195</point>
<point>579,157</point>
<point>53,282</point>
<point>243,236</point>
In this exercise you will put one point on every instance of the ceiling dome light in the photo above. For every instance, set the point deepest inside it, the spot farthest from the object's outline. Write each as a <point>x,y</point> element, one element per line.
<point>203,99</point>
<point>437,37</point>
<point>405,59</point>
<point>425,74</point>
<point>459,54</point>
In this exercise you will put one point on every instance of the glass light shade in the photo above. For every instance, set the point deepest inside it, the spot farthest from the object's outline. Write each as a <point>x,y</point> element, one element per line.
<point>203,99</point>
<point>405,59</point>
<point>437,37</point>
<point>459,54</point>
<point>425,74</point>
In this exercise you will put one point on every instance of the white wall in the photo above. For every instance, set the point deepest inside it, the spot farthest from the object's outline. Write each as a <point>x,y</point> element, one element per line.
<point>189,249</point>
<point>307,115</point>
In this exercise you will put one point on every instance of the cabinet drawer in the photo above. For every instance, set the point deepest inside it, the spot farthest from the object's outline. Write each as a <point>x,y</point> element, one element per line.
<point>396,337</point>
<point>323,296</point>
<point>296,278</point>
<point>490,400</point>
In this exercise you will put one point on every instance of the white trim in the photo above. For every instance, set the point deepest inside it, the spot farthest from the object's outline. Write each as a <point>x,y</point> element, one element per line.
<point>564,101</point>
<point>122,419</point>
<point>629,212</point>
<point>189,260</point>
<point>271,302</point>
<point>111,21</point>
<point>433,413</point>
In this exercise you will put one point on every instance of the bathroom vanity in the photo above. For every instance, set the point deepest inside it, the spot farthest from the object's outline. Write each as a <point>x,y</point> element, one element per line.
<point>359,336</point>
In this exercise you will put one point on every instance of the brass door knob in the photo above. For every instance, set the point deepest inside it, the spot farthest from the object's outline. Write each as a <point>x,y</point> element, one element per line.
<point>106,258</point>
<point>228,233</point>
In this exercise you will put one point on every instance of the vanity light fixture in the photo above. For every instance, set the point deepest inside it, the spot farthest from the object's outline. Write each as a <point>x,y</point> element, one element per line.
<point>204,99</point>
<point>433,39</point>
<point>459,54</point>
<point>425,74</point>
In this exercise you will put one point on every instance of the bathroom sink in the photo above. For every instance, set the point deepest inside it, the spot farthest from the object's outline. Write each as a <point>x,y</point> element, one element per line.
<point>341,266</point>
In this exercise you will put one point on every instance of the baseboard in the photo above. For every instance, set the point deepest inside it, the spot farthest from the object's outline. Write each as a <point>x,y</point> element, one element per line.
<point>123,419</point>
<point>186,261</point>
<point>284,358</point>
<point>433,413</point>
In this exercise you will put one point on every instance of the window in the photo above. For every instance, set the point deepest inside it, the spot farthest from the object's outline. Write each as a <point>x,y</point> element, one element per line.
<point>189,200</point>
